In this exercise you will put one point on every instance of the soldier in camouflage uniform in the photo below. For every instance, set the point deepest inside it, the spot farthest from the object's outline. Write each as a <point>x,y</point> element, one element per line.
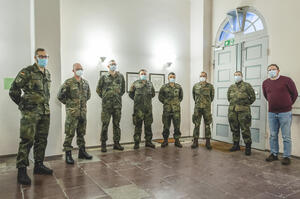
<point>34,82</point>
<point>240,96</point>
<point>74,93</point>
<point>171,94</point>
<point>142,92</point>
<point>111,88</point>
<point>203,95</point>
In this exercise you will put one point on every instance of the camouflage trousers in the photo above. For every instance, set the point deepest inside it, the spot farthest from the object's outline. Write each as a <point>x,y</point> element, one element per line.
<point>34,130</point>
<point>240,121</point>
<point>138,118</point>
<point>73,124</point>
<point>106,114</point>
<point>197,116</point>
<point>167,117</point>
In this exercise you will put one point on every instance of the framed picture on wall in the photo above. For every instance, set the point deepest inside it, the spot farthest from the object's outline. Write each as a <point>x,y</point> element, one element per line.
<point>130,78</point>
<point>157,80</point>
<point>103,72</point>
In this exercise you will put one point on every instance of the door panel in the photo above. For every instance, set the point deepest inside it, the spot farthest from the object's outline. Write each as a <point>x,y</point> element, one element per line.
<point>251,58</point>
<point>254,63</point>
<point>225,65</point>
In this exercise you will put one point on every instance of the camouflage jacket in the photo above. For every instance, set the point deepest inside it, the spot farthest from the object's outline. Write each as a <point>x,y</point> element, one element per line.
<point>74,94</point>
<point>171,97</point>
<point>240,96</point>
<point>203,94</point>
<point>35,86</point>
<point>142,94</point>
<point>111,89</point>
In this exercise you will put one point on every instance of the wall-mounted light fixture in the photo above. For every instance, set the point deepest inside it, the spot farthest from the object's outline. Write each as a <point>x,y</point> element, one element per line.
<point>168,64</point>
<point>102,59</point>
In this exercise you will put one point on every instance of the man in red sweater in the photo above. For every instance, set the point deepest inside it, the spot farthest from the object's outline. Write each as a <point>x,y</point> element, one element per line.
<point>281,93</point>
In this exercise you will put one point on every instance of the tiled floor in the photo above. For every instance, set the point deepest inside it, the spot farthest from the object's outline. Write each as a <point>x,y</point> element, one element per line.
<point>160,173</point>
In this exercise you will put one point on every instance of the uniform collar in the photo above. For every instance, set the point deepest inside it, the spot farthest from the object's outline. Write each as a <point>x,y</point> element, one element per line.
<point>74,79</point>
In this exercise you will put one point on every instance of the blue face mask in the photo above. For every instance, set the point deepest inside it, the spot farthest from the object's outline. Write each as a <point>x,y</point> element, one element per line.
<point>172,80</point>
<point>202,79</point>
<point>272,73</point>
<point>42,62</point>
<point>237,79</point>
<point>79,73</point>
<point>143,77</point>
<point>113,67</point>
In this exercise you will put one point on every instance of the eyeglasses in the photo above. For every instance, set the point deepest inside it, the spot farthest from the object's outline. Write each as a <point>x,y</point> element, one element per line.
<point>43,57</point>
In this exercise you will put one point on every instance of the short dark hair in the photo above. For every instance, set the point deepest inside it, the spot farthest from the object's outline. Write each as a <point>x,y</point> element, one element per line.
<point>171,73</point>
<point>239,72</point>
<point>204,73</point>
<point>273,65</point>
<point>39,50</point>
<point>143,70</point>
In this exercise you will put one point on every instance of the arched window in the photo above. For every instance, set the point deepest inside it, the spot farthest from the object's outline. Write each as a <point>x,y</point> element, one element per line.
<point>240,21</point>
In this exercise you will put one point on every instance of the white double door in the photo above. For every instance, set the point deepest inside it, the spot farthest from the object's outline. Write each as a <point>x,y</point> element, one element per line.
<point>250,57</point>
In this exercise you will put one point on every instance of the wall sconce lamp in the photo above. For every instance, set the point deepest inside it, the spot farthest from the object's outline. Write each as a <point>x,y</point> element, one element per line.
<point>102,59</point>
<point>168,64</point>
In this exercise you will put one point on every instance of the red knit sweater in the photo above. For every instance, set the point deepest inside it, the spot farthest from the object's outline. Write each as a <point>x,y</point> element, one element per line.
<point>280,94</point>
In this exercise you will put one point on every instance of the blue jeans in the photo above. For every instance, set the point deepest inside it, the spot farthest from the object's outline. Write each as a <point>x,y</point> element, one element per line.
<point>283,121</point>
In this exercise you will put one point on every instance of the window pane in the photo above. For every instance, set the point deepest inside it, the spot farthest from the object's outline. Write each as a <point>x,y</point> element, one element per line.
<point>227,27</point>
<point>250,30</point>
<point>251,16</point>
<point>225,36</point>
<point>247,24</point>
<point>259,25</point>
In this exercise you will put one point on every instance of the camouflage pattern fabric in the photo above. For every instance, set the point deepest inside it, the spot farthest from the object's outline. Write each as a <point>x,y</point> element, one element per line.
<point>203,95</point>
<point>34,107</point>
<point>142,93</point>
<point>111,89</point>
<point>75,94</point>
<point>240,96</point>
<point>171,96</point>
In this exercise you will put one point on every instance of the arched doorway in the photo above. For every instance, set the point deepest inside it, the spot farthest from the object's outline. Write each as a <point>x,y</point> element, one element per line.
<point>241,44</point>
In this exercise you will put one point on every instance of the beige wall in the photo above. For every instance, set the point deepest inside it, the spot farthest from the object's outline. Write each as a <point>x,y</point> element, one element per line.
<point>200,47</point>
<point>47,35</point>
<point>15,49</point>
<point>282,18</point>
<point>138,34</point>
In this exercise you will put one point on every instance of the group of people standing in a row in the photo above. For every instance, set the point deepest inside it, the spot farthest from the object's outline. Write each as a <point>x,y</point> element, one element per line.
<point>31,92</point>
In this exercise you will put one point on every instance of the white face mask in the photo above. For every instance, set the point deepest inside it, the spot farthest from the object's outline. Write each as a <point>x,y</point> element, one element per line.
<point>237,78</point>
<point>79,73</point>
<point>202,79</point>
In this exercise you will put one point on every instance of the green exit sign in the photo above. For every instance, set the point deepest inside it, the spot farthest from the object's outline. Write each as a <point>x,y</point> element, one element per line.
<point>229,42</point>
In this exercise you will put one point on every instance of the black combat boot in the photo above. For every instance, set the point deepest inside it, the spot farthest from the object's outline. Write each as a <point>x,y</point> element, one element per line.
<point>235,147</point>
<point>177,143</point>
<point>117,146</point>
<point>136,145</point>
<point>248,149</point>
<point>103,146</point>
<point>23,178</point>
<point>207,144</point>
<point>286,161</point>
<point>69,158</point>
<point>195,143</point>
<point>40,168</point>
<point>149,144</point>
<point>83,154</point>
<point>272,158</point>
<point>165,143</point>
